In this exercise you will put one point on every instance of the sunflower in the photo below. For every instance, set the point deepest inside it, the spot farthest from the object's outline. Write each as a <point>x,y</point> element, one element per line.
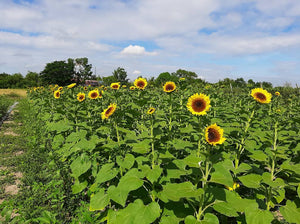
<point>140,83</point>
<point>85,88</point>
<point>182,79</point>
<point>93,94</point>
<point>124,86</point>
<point>71,85</point>
<point>261,95</point>
<point>109,111</point>
<point>214,134</point>
<point>56,94</point>
<point>115,85</point>
<point>132,87</point>
<point>277,93</point>
<point>60,88</point>
<point>151,110</point>
<point>80,97</point>
<point>169,87</point>
<point>198,104</point>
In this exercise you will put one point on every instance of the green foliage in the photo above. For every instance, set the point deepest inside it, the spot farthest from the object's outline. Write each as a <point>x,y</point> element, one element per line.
<point>136,167</point>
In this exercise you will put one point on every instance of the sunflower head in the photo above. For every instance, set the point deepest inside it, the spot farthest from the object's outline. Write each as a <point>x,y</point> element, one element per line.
<point>261,95</point>
<point>277,93</point>
<point>80,97</point>
<point>140,83</point>
<point>169,87</point>
<point>132,87</point>
<point>93,94</point>
<point>115,85</point>
<point>235,186</point>
<point>60,88</point>
<point>108,111</point>
<point>214,134</point>
<point>56,94</point>
<point>71,85</point>
<point>151,110</point>
<point>198,104</point>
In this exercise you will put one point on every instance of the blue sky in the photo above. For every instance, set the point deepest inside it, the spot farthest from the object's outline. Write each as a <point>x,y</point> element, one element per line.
<point>217,39</point>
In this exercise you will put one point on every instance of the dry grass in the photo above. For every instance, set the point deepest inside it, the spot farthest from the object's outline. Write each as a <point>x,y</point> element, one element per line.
<point>20,92</point>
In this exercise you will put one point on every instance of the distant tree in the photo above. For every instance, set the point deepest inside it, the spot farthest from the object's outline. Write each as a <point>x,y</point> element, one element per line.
<point>180,73</point>
<point>108,80</point>
<point>3,80</point>
<point>267,85</point>
<point>58,72</point>
<point>82,69</point>
<point>31,79</point>
<point>165,77</point>
<point>120,75</point>
<point>15,81</point>
<point>240,82</point>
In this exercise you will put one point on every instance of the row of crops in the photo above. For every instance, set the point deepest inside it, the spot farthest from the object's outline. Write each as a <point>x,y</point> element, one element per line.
<point>177,154</point>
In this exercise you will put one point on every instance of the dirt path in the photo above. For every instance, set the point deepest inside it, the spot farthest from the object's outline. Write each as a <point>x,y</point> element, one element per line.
<point>11,150</point>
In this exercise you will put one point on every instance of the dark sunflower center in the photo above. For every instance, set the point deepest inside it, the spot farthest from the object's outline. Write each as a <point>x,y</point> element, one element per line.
<point>140,84</point>
<point>198,105</point>
<point>115,87</point>
<point>261,96</point>
<point>108,111</point>
<point>81,97</point>
<point>169,87</point>
<point>151,110</point>
<point>94,95</point>
<point>57,94</point>
<point>213,135</point>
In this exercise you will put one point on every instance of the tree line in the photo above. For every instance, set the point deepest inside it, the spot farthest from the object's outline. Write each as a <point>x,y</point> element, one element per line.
<point>78,70</point>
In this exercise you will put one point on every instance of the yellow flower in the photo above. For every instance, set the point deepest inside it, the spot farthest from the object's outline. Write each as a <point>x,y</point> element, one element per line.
<point>115,85</point>
<point>131,87</point>
<point>261,95</point>
<point>109,111</point>
<point>277,93</point>
<point>151,110</point>
<point>198,104</point>
<point>60,88</point>
<point>124,86</point>
<point>235,186</point>
<point>214,134</point>
<point>56,94</point>
<point>71,85</point>
<point>169,87</point>
<point>80,97</point>
<point>182,79</point>
<point>140,83</point>
<point>93,94</point>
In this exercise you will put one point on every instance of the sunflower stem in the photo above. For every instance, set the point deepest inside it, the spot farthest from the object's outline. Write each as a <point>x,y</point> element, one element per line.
<point>199,140</point>
<point>152,143</point>
<point>274,152</point>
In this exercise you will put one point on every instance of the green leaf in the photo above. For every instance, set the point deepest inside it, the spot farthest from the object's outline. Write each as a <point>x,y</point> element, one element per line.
<point>192,161</point>
<point>80,165</point>
<point>129,182</point>
<point>259,156</point>
<point>225,209</point>
<point>154,173</point>
<point>180,144</point>
<point>254,215</point>
<point>126,162</point>
<point>137,213</point>
<point>142,147</point>
<point>78,186</point>
<point>221,175</point>
<point>99,201</point>
<point>60,126</point>
<point>278,182</point>
<point>107,172</point>
<point>243,167</point>
<point>175,192</point>
<point>191,220</point>
<point>298,190</point>
<point>210,219</point>
<point>251,180</point>
<point>290,212</point>
<point>76,136</point>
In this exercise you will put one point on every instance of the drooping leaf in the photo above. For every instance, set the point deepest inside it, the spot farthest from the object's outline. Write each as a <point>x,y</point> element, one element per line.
<point>99,201</point>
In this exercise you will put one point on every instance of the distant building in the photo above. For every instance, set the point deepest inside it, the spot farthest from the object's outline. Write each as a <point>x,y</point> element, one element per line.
<point>91,83</point>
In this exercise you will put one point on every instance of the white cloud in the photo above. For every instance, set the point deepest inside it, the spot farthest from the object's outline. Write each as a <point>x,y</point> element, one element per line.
<point>136,72</point>
<point>136,50</point>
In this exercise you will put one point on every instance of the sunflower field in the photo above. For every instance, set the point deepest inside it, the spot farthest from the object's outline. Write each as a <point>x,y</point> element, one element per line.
<point>182,153</point>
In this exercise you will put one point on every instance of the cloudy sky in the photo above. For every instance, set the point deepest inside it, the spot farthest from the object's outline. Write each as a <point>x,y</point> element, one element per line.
<point>252,39</point>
